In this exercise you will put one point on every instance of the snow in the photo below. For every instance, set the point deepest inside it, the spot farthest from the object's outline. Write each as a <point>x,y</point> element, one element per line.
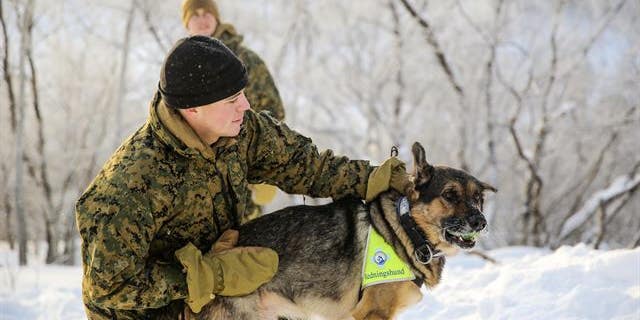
<point>527,283</point>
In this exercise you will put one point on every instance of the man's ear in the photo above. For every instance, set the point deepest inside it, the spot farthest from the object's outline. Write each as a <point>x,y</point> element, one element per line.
<point>188,112</point>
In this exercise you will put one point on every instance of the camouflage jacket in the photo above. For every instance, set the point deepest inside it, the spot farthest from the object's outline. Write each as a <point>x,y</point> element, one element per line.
<point>261,90</point>
<point>164,188</point>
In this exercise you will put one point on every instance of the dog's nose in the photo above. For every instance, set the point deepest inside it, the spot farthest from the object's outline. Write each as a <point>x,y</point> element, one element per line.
<point>477,222</point>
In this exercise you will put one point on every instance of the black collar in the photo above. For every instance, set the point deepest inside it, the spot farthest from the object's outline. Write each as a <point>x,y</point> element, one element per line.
<point>424,251</point>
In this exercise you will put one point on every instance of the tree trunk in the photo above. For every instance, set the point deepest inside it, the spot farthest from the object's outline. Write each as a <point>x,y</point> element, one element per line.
<point>10,236</point>
<point>397,133</point>
<point>70,248</point>
<point>122,88</point>
<point>8,79</point>
<point>7,75</point>
<point>20,212</point>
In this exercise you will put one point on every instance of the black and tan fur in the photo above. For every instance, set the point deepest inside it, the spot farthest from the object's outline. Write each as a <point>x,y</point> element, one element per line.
<point>321,250</point>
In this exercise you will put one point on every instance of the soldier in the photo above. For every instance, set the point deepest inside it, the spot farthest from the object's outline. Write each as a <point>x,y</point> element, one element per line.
<point>149,219</point>
<point>202,17</point>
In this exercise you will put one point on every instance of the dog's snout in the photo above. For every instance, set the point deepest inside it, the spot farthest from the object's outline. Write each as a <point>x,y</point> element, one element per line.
<point>477,222</point>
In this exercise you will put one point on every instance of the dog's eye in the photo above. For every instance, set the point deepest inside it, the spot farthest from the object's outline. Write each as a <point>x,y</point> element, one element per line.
<point>451,196</point>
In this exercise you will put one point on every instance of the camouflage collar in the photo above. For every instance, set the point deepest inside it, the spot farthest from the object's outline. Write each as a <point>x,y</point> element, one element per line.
<point>175,132</point>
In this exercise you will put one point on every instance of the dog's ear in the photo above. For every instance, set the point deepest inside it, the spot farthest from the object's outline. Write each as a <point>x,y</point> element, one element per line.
<point>422,171</point>
<point>485,186</point>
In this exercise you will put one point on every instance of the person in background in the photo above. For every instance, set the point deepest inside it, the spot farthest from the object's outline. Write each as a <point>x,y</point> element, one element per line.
<point>150,219</point>
<point>202,17</point>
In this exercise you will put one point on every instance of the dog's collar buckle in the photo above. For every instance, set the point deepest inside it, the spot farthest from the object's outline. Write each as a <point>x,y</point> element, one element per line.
<point>402,206</point>
<point>423,252</point>
<point>423,256</point>
<point>426,257</point>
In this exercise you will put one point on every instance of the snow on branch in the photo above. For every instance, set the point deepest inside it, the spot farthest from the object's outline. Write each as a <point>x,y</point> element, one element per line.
<point>619,187</point>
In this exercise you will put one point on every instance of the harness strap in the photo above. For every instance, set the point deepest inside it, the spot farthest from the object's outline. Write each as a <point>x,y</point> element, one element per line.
<point>424,251</point>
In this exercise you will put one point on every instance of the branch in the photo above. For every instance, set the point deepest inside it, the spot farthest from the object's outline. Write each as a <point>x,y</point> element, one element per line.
<point>431,39</point>
<point>445,65</point>
<point>601,225</point>
<point>146,14</point>
<point>398,102</point>
<point>44,174</point>
<point>609,16</point>
<point>482,255</point>
<point>618,188</point>
<point>635,242</point>
<point>586,183</point>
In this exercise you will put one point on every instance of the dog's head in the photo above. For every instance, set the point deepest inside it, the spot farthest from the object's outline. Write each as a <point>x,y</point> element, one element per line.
<point>447,203</point>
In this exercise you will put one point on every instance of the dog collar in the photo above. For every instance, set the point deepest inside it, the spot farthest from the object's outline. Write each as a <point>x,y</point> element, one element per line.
<point>424,251</point>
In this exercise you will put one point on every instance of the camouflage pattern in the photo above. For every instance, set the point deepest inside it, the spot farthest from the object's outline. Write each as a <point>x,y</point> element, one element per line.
<point>164,188</point>
<point>261,90</point>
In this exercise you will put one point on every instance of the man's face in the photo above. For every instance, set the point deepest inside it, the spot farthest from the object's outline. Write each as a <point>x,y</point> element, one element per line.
<point>219,119</point>
<point>202,23</point>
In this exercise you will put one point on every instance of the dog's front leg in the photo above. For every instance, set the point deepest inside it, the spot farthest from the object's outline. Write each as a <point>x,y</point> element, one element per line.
<point>384,301</point>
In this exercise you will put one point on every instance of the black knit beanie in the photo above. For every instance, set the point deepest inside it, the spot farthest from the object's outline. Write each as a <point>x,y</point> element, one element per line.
<point>198,71</point>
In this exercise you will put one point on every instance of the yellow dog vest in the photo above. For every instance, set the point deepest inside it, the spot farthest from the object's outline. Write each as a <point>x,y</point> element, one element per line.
<point>381,263</point>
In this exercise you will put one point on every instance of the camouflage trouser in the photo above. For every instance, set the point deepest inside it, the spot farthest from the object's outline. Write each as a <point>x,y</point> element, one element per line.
<point>174,311</point>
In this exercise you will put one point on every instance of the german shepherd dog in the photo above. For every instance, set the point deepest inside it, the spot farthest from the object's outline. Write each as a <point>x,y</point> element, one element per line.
<point>321,249</point>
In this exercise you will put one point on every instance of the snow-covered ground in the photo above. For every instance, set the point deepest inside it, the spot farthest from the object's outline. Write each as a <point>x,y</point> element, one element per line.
<point>528,283</point>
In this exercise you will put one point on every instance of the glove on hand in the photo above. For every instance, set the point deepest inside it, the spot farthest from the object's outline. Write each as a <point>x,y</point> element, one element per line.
<point>263,193</point>
<point>391,173</point>
<point>232,272</point>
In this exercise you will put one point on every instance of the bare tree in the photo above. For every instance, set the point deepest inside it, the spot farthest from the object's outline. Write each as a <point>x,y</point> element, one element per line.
<point>6,70</point>
<point>25,22</point>
<point>40,148</point>
<point>8,79</point>
<point>445,65</point>
<point>122,87</point>
<point>145,8</point>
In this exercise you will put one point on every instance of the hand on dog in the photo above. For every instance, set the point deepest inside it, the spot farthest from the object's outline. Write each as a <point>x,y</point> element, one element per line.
<point>226,241</point>
<point>225,270</point>
<point>390,174</point>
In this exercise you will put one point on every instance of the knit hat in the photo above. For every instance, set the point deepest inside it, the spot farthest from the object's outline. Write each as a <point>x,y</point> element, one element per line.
<point>189,7</point>
<point>198,71</point>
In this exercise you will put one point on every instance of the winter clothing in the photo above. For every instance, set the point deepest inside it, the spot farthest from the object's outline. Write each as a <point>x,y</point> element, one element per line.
<point>198,71</point>
<point>164,188</point>
<point>391,173</point>
<point>263,194</point>
<point>234,272</point>
<point>189,7</point>
<point>261,92</point>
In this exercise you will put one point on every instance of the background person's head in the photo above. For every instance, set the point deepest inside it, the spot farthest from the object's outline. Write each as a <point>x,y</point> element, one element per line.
<point>200,17</point>
<point>204,80</point>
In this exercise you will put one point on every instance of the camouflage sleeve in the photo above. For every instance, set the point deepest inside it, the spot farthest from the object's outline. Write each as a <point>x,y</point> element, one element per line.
<point>261,91</point>
<point>116,226</point>
<point>280,156</point>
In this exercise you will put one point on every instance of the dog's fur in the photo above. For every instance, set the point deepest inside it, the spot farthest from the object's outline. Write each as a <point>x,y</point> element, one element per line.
<point>321,250</point>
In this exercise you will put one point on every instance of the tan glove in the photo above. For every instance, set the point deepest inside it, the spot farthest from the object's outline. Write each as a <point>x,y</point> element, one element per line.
<point>263,193</point>
<point>232,272</point>
<point>391,173</point>
<point>226,241</point>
